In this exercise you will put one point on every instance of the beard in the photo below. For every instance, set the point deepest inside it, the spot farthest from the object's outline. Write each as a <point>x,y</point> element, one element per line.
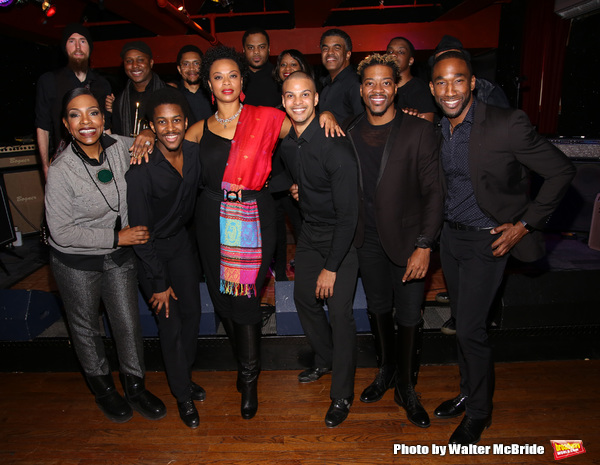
<point>79,65</point>
<point>192,82</point>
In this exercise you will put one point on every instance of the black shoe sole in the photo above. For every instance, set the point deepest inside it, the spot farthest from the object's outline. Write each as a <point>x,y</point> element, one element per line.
<point>116,419</point>
<point>146,415</point>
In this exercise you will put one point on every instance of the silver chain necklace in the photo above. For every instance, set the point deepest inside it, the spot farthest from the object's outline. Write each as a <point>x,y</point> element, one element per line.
<point>225,122</point>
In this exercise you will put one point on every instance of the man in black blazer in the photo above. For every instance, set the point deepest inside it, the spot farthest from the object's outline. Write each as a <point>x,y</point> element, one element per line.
<point>400,217</point>
<point>486,155</point>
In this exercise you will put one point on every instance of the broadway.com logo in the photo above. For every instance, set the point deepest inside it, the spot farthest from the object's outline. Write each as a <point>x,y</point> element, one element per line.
<point>563,448</point>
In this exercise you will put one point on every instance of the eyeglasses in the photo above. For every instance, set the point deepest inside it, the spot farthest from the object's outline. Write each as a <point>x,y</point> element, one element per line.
<point>190,64</point>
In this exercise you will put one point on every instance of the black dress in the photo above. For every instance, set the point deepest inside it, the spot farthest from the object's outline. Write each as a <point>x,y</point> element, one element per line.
<point>214,152</point>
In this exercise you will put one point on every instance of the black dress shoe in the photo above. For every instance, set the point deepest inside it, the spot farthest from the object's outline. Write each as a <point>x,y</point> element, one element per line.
<point>312,374</point>
<point>442,298</point>
<point>451,408</point>
<point>198,392</point>
<point>188,413</point>
<point>338,411</point>
<point>469,431</point>
<point>407,398</point>
<point>449,327</point>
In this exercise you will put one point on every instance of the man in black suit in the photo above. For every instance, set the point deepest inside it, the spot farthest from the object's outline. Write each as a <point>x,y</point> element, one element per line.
<point>399,219</point>
<point>486,155</point>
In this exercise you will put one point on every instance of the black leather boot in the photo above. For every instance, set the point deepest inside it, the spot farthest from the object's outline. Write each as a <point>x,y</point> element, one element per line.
<point>382,327</point>
<point>247,339</point>
<point>108,399</point>
<point>410,339</point>
<point>140,399</point>
<point>229,327</point>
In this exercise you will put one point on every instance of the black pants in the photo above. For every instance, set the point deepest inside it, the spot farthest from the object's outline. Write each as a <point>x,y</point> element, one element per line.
<point>178,333</point>
<point>473,276</point>
<point>382,280</point>
<point>333,341</point>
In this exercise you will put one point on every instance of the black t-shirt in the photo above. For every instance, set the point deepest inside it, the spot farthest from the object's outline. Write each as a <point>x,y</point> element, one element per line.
<point>52,87</point>
<point>415,94</point>
<point>370,142</point>
<point>261,88</point>
<point>198,102</point>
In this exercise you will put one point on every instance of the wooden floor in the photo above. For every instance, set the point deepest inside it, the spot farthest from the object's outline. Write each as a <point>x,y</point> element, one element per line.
<point>52,419</point>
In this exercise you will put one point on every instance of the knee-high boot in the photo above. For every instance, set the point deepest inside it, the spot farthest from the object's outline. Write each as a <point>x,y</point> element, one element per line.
<point>229,327</point>
<point>410,339</point>
<point>248,347</point>
<point>382,327</point>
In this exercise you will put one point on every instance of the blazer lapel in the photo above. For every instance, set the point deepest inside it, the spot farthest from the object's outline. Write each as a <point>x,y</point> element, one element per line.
<point>388,143</point>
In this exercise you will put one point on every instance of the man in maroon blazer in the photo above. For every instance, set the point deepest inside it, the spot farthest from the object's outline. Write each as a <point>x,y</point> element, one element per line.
<point>486,155</point>
<point>400,216</point>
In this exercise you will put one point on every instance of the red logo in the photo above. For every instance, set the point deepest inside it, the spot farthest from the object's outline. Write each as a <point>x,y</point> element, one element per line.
<point>565,448</point>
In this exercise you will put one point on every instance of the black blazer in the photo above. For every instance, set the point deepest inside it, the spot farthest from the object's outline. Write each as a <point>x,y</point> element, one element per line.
<point>409,195</point>
<point>502,149</point>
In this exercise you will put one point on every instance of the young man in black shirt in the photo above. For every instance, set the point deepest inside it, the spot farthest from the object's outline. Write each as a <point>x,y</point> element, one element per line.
<point>161,195</point>
<point>400,218</point>
<point>325,175</point>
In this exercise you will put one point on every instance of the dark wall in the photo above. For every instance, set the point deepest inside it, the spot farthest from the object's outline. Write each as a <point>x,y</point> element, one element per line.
<point>581,93</point>
<point>21,65</point>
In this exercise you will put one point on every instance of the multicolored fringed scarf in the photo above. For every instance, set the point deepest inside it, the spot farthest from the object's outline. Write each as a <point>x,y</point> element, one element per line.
<point>248,167</point>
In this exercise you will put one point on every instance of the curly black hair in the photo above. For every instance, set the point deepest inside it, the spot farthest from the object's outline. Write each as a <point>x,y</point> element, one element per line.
<point>221,52</point>
<point>165,96</point>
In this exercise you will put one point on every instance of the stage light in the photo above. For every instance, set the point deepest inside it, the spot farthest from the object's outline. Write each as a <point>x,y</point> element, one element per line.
<point>6,2</point>
<point>225,4</point>
<point>48,9</point>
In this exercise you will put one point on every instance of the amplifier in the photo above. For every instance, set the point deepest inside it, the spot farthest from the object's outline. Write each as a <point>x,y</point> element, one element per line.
<point>17,156</point>
<point>581,149</point>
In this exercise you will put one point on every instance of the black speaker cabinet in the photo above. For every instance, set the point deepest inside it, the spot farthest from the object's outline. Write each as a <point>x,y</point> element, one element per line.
<point>7,231</point>
<point>552,298</point>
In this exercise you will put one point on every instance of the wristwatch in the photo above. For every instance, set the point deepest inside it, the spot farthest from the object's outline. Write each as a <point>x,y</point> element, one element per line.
<point>527,226</point>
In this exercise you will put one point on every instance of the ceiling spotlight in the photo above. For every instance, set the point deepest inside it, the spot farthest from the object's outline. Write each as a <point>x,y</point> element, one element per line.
<point>225,4</point>
<point>48,9</point>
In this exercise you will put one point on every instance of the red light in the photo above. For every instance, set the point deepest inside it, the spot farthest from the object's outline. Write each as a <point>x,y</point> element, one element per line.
<point>51,11</point>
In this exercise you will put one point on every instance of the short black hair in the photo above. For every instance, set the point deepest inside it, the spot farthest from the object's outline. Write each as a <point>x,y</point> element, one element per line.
<point>165,96</point>
<point>255,30</point>
<point>377,59</point>
<point>221,52</point>
<point>339,33</point>
<point>411,47</point>
<point>452,54</point>
<point>187,49</point>
<point>74,93</point>
<point>296,55</point>
<point>304,74</point>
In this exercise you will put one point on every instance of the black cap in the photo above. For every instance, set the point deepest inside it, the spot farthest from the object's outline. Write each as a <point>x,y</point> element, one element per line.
<point>136,45</point>
<point>449,43</point>
<point>75,28</point>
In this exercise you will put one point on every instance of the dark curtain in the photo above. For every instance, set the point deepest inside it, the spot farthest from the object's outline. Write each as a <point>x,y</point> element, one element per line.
<point>545,39</point>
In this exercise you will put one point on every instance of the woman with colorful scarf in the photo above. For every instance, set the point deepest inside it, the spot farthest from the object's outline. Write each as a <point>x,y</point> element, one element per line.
<point>237,214</point>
